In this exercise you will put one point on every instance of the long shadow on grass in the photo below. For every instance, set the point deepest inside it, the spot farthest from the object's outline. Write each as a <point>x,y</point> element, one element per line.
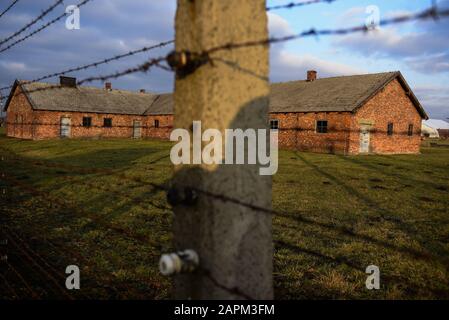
<point>113,289</point>
<point>111,195</point>
<point>411,288</point>
<point>108,158</point>
<point>407,228</point>
<point>396,175</point>
<point>69,208</point>
<point>123,158</point>
<point>371,203</point>
<point>68,177</point>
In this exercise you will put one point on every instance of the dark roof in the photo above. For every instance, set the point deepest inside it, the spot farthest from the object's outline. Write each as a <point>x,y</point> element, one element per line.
<point>88,99</point>
<point>337,94</point>
<point>163,104</point>
<point>341,94</point>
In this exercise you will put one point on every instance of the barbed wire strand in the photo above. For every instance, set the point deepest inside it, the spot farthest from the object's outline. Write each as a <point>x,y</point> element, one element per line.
<point>33,22</point>
<point>10,287</point>
<point>297,216</point>
<point>121,126</point>
<point>27,252</point>
<point>97,63</point>
<point>84,170</point>
<point>62,252</point>
<point>144,67</point>
<point>139,201</point>
<point>430,13</point>
<point>8,8</point>
<point>33,293</point>
<point>43,27</point>
<point>298,4</point>
<point>94,219</point>
<point>21,125</point>
<point>260,209</point>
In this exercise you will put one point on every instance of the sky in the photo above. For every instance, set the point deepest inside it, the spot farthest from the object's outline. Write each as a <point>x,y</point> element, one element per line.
<point>420,50</point>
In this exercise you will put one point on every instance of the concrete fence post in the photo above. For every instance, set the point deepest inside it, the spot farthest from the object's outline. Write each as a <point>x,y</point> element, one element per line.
<point>233,242</point>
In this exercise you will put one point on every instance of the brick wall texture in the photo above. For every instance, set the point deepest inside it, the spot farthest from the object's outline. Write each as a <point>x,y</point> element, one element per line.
<point>23,122</point>
<point>297,131</point>
<point>391,105</point>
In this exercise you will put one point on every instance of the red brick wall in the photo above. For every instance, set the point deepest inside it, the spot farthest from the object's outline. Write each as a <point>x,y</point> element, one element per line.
<point>298,131</point>
<point>165,126</point>
<point>19,117</point>
<point>23,122</point>
<point>48,125</point>
<point>390,105</point>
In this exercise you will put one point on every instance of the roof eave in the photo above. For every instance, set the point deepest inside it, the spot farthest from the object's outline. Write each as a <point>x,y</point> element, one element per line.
<point>18,83</point>
<point>411,95</point>
<point>8,101</point>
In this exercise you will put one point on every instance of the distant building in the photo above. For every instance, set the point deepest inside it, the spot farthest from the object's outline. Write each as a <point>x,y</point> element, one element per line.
<point>436,128</point>
<point>429,132</point>
<point>371,113</point>
<point>361,114</point>
<point>41,111</point>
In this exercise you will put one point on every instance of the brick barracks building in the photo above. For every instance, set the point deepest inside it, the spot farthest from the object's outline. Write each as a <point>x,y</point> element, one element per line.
<point>373,113</point>
<point>43,111</point>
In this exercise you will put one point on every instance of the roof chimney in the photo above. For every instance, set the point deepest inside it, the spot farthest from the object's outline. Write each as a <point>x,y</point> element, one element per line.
<point>142,91</point>
<point>67,82</point>
<point>311,75</point>
<point>108,86</point>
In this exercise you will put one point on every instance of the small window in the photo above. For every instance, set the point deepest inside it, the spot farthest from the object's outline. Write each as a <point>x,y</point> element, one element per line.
<point>274,124</point>
<point>410,130</point>
<point>390,129</point>
<point>156,123</point>
<point>107,123</point>
<point>321,126</point>
<point>87,121</point>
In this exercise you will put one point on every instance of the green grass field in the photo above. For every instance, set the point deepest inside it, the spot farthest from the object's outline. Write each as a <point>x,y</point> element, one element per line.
<point>390,211</point>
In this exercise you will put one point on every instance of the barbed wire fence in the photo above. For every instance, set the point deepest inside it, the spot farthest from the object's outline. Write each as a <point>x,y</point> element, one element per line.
<point>183,63</point>
<point>96,63</point>
<point>38,30</point>
<point>193,60</point>
<point>143,201</point>
<point>33,22</point>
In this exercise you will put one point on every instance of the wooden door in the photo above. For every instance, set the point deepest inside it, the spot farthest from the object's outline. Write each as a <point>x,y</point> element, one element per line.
<point>65,127</point>
<point>137,129</point>
<point>365,139</point>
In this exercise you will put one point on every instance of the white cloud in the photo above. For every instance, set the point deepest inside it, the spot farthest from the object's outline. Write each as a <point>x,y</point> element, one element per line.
<point>434,99</point>
<point>14,66</point>
<point>290,66</point>
<point>286,65</point>
<point>352,16</point>
<point>278,26</point>
<point>424,50</point>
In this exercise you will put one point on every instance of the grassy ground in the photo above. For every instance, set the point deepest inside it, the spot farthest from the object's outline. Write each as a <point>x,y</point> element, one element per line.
<point>390,211</point>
